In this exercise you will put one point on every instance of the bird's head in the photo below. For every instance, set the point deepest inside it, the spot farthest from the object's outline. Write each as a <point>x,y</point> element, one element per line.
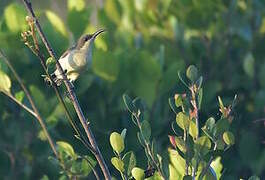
<point>86,41</point>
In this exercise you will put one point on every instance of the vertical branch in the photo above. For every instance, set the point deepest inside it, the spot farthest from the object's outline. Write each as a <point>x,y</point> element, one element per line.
<point>37,52</point>
<point>195,112</point>
<point>39,118</point>
<point>69,87</point>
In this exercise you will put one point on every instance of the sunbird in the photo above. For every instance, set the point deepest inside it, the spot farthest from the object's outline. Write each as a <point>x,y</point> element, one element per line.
<point>76,59</point>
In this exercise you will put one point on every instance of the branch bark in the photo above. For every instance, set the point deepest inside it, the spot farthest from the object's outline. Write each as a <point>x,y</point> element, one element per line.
<point>69,87</point>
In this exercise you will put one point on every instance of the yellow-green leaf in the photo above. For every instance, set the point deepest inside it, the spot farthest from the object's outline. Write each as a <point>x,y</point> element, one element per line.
<point>182,120</point>
<point>5,82</point>
<point>138,173</point>
<point>78,5</point>
<point>67,148</point>
<point>118,164</point>
<point>14,15</point>
<point>117,142</point>
<point>177,163</point>
<point>228,138</point>
<point>56,22</point>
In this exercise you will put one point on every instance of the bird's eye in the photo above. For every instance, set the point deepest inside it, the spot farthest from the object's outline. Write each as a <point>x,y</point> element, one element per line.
<point>86,38</point>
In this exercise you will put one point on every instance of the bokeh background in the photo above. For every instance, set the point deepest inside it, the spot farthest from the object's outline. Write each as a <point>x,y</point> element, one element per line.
<point>147,43</point>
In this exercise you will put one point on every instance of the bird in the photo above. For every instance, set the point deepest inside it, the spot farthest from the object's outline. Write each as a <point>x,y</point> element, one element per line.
<point>76,59</point>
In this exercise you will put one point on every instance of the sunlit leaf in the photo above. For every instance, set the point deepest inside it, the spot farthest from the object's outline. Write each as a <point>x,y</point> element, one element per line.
<point>192,73</point>
<point>118,164</point>
<point>182,120</point>
<point>138,173</point>
<point>67,148</point>
<point>229,138</point>
<point>217,167</point>
<point>56,21</point>
<point>15,17</point>
<point>78,5</point>
<point>117,142</point>
<point>5,82</point>
<point>177,162</point>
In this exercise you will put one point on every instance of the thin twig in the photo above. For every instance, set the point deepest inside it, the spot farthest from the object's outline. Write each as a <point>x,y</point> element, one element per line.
<point>39,118</point>
<point>69,87</point>
<point>93,169</point>
<point>20,104</point>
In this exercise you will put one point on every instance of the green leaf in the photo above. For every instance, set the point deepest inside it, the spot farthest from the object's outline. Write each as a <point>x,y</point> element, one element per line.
<point>87,164</point>
<point>42,136</point>
<point>117,142</point>
<point>67,148</point>
<point>202,145</point>
<point>129,160</point>
<point>123,133</point>
<point>56,22</point>
<point>180,144</point>
<point>146,130</point>
<point>182,120</point>
<point>20,96</point>
<point>228,138</point>
<point>5,82</point>
<point>248,65</point>
<point>178,100</point>
<point>192,73</point>
<point>14,15</point>
<point>112,10</point>
<point>221,126</point>
<point>44,177</point>
<point>172,105</point>
<point>78,5</point>
<point>138,173</point>
<point>177,163</point>
<point>208,128</point>
<point>140,139</point>
<point>217,167</point>
<point>106,65</point>
<point>50,61</point>
<point>199,98</point>
<point>128,103</point>
<point>199,82</point>
<point>118,164</point>
<point>254,178</point>
<point>221,105</point>
<point>220,144</point>
<point>193,131</point>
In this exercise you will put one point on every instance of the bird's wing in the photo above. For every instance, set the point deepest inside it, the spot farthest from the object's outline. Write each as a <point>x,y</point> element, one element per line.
<point>66,52</point>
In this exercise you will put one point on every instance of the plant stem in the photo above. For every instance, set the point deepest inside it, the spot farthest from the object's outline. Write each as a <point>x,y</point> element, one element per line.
<point>148,148</point>
<point>20,104</point>
<point>204,171</point>
<point>75,102</point>
<point>36,112</point>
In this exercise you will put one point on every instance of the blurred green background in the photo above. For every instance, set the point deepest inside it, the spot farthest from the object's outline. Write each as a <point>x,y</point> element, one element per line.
<point>146,44</point>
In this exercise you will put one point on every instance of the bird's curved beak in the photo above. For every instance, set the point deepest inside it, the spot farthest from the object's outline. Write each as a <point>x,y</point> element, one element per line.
<point>97,33</point>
